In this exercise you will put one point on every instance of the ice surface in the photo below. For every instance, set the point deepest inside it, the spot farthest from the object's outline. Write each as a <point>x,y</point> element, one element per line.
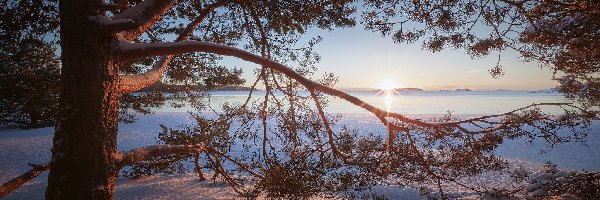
<point>19,147</point>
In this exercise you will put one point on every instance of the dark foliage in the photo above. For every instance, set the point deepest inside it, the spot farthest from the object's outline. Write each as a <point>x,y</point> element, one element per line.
<point>29,66</point>
<point>29,94</point>
<point>284,146</point>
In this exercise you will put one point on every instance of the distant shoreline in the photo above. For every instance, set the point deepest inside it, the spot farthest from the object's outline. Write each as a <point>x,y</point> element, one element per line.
<point>549,90</point>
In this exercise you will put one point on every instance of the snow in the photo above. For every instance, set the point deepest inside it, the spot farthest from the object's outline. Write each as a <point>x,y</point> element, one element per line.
<point>20,147</point>
<point>519,172</point>
<point>137,11</point>
<point>543,177</point>
<point>104,21</point>
<point>176,186</point>
<point>530,29</point>
<point>539,192</point>
<point>561,174</point>
<point>533,187</point>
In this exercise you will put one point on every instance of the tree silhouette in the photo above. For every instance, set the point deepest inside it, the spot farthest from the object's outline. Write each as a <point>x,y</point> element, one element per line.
<point>29,68</point>
<point>105,57</point>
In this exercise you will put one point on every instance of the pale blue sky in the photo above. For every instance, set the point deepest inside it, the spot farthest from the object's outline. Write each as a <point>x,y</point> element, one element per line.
<point>362,59</point>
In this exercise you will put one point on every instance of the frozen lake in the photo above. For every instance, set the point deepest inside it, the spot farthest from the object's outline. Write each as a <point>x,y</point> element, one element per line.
<point>19,147</point>
<point>424,104</point>
<point>417,102</point>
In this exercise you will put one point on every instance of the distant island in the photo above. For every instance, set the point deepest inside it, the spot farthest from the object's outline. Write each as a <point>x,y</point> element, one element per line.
<point>235,88</point>
<point>463,90</point>
<point>549,90</point>
<point>377,90</point>
<point>408,89</point>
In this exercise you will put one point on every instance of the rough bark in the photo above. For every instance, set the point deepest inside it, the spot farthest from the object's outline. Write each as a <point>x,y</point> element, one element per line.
<point>85,135</point>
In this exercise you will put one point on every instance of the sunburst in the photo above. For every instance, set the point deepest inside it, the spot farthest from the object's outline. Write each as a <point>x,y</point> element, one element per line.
<point>388,90</point>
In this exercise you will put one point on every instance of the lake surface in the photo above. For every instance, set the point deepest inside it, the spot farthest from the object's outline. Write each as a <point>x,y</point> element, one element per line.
<point>425,104</point>
<point>417,102</point>
<point>19,147</point>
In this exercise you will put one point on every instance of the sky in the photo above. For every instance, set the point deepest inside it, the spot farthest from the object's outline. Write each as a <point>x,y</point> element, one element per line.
<point>362,59</point>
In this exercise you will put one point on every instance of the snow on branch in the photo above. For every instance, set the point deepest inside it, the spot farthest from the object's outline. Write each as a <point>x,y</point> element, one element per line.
<point>15,183</point>
<point>130,83</point>
<point>145,14</point>
<point>109,26</point>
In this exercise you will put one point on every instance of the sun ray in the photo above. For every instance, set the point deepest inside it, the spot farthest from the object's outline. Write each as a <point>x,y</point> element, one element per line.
<point>388,101</point>
<point>388,90</point>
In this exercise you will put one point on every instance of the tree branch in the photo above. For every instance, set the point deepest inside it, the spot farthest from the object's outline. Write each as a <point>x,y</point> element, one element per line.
<point>130,83</point>
<point>135,50</point>
<point>146,153</point>
<point>15,183</point>
<point>197,167</point>
<point>129,50</point>
<point>123,5</point>
<point>242,166</point>
<point>328,129</point>
<point>145,15</point>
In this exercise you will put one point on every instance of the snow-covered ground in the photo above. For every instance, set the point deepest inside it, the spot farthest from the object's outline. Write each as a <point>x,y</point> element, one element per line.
<point>20,147</point>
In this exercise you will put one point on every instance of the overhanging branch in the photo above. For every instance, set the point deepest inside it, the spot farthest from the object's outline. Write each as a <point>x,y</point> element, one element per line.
<point>129,50</point>
<point>142,154</point>
<point>137,50</point>
<point>154,151</point>
<point>130,83</point>
<point>145,15</point>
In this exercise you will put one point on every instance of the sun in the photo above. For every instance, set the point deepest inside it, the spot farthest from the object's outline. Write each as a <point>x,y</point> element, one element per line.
<point>388,90</point>
<point>388,85</point>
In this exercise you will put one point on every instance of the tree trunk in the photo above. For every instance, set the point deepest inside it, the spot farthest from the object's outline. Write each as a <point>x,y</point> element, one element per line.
<point>82,165</point>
